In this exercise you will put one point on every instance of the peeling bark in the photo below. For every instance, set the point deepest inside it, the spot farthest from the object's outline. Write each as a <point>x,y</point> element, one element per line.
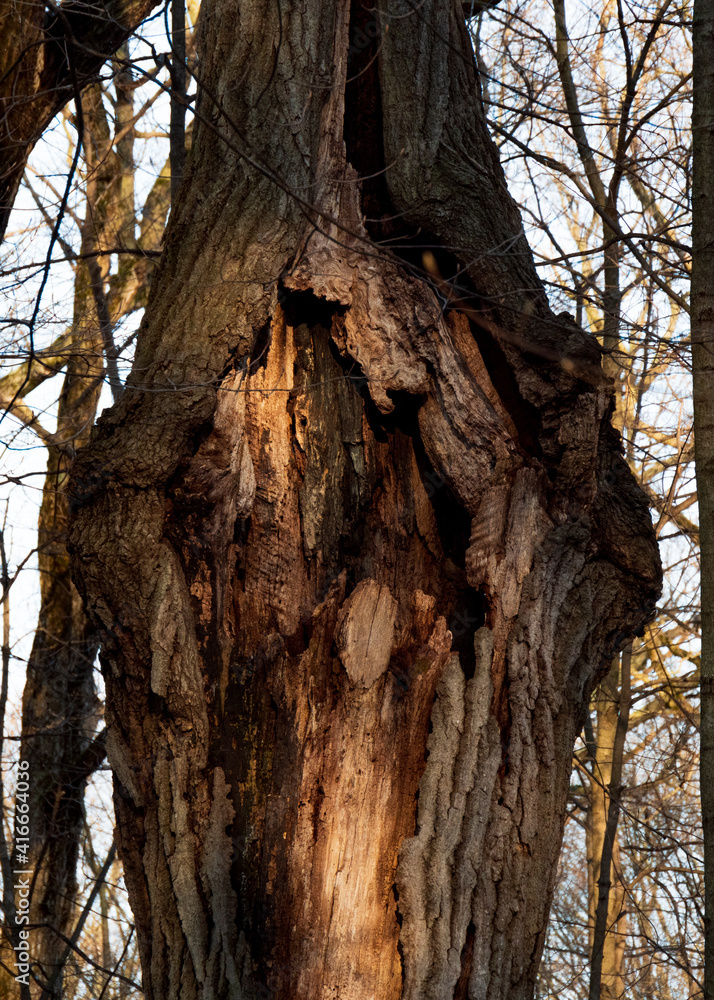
<point>359,536</point>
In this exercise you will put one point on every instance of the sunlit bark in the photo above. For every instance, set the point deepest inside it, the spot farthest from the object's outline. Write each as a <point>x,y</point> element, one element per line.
<point>359,537</point>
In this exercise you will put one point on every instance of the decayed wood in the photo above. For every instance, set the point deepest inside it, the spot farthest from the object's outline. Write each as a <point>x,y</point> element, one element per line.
<point>359,536</point>
<point>365,633</point>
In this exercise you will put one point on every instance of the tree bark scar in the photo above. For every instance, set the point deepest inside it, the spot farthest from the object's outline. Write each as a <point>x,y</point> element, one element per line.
<point>279,557</point>
<point>365,633</point>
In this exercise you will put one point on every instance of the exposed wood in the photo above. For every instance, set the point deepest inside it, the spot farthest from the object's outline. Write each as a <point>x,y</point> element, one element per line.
<point>315,437</point>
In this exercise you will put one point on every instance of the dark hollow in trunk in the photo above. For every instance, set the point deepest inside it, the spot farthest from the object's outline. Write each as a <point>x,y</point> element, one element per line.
<point>359,536</point>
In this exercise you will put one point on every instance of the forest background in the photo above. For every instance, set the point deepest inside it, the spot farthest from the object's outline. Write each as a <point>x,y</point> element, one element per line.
<point>590,108</point>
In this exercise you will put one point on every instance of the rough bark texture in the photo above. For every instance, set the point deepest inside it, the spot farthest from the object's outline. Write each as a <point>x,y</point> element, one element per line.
<point>359,536</point>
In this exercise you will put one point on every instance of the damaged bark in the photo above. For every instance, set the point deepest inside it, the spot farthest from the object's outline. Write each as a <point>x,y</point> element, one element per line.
<point>359,536</point>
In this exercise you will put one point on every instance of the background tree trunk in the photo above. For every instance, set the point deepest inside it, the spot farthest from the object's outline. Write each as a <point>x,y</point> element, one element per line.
<point>359,536</point>
<point>606,892</point>
<point>702,296</point>
<point>60,708</point>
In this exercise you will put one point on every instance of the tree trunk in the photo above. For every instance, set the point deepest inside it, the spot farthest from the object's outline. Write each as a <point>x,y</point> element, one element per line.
<point>359,536</point>
<point>702,315</point>
<point>59,704</point>
<point>606,892</point>
<point>60,709</point>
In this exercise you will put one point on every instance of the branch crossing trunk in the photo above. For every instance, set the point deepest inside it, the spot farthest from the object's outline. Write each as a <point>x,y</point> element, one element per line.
<point>359,535</point>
